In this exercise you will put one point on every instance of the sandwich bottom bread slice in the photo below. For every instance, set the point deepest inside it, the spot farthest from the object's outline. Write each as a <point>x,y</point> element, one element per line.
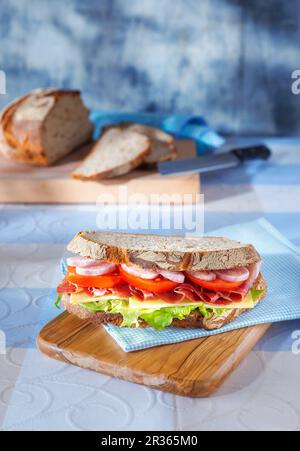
<point>141,281</point>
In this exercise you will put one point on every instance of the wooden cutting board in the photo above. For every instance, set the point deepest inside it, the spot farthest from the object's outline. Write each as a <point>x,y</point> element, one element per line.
<point>193,368</point>
<point>21,183</point>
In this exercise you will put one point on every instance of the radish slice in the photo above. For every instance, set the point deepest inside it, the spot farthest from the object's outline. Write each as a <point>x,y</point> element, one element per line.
<point>233,275</point>
<point>99,291</point>
<point>203,275</point>
<point>82,262</point>
<point>99,270</point>
<point>254,270</point>
<point>140,272</point>
<point>173,275</point>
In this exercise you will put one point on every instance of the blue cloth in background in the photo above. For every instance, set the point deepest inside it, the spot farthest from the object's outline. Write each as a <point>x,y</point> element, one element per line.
<point>181,126</point>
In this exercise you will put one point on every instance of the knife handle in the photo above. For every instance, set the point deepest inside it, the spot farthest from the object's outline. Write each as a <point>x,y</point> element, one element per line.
<point>252,153</point>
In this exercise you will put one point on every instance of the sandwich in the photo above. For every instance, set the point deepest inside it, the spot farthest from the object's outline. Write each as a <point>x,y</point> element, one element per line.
<point>154,281</point>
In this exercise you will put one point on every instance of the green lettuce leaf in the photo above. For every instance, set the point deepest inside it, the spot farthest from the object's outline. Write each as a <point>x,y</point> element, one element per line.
<point>57,302</point>
<point>157,318</point>
<point>256,294</point>
<point>130,316</point>
<point>161,318</point>
<point>106,305</point>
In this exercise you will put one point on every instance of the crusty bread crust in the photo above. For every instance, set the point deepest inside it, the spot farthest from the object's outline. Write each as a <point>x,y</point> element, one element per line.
<point>150,132</point>
<point>8,143</point>
<point>116,172</point>
<point>164,252</point>
<point>22,139</point>
<point>194,320</point>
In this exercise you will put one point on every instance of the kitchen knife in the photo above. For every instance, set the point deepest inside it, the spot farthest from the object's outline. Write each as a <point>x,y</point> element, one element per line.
<point>209,163</point>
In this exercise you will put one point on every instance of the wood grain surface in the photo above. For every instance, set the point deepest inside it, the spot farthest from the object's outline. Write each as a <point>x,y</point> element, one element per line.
<point>193,368</point>
<point>21,183</point>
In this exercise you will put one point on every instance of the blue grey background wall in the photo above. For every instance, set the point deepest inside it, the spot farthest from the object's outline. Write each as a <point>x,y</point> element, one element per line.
<point>230,60</point>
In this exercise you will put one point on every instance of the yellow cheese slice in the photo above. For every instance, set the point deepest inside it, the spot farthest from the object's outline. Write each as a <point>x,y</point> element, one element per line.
<point>81,298</point>
<point>158,303</point>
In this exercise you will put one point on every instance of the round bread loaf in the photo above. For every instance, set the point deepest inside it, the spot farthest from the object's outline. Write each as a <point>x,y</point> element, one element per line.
<point>44,126</point>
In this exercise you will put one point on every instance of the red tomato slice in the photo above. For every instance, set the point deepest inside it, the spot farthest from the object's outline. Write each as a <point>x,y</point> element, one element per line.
<point>66,287</point>
<point>72,269</point>
<point>215,285</point>
<point>158,285</point>
<point>105,281</point>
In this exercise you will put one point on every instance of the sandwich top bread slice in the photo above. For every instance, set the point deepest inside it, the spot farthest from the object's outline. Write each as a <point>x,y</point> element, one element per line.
<point>116,153</point>
<point>164,252</point>
<point>44,126</point>
<point>145,280</point>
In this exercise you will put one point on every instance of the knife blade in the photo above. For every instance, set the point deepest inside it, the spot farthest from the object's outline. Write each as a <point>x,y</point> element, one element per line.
<point>209,163</point>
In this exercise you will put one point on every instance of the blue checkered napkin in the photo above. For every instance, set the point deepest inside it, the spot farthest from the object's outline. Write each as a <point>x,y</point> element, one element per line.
<point>281,270</point>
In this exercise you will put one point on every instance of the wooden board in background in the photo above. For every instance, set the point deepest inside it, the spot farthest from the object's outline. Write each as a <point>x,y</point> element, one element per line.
<point>193,368</point>
<point>21,183</point>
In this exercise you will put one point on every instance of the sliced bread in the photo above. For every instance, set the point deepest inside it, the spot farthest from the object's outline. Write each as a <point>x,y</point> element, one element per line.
<point>116,153</point>
<point>44,126</point>
<point>162,144</point>
<point>164,252</point>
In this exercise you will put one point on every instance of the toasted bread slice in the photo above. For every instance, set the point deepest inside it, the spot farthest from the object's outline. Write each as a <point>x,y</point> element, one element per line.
<point>162,144</point>
<point>44,126</point>
<point>116,153</point>
<point>164,252</point>
<point>195,319</point>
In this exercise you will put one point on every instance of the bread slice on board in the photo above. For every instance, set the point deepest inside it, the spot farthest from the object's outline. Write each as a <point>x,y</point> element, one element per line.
<point>116,153</point>
<point>195,319</point>
<point>162,144</point>
<point>164,252</point>
<point>44,126</point>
